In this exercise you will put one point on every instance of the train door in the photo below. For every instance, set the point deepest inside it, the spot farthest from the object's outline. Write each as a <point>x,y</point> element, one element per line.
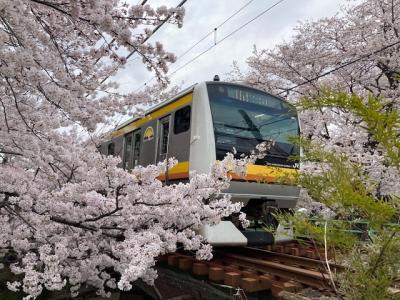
<point>132,149</point>
<point>179,140</point>
<point>163,138</point>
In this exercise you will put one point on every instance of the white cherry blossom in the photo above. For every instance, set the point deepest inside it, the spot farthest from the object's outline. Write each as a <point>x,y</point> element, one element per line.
<point>69,214</point>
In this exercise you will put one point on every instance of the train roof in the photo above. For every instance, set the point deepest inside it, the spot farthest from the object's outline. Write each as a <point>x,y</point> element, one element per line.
<point>182,93</point>
<point>158,106</point>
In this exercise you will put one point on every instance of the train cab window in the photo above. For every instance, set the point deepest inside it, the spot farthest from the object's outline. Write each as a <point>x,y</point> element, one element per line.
<point>244,117</point>
<point>163,138</point>
<point>111,149</point>
<point>182,120</point>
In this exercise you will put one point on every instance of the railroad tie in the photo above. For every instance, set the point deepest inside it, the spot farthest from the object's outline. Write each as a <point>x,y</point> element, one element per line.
<point>185,264</point>
<point>302,251</point>
<point>295,251</point>
<point>232,268</point>
<point>289,286</point>
<point>163,258</point>
<point>200,269</point>
<point>173,260</point>
<point>232,279</point>
<point>250,274</point>
<point>310,253</point>
<point>216,274</point>
<point>266,281</point>
<point>250,285</point>
<point>277,248</point>
<point>254,274</point>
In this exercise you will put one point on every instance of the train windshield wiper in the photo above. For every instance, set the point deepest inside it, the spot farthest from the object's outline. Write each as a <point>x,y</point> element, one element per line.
<point>234,126</point>
<point>255,131</point>
<point>280,151</point>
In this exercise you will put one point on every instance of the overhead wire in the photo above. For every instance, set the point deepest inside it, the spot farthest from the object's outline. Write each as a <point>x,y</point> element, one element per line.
<point>199,41</point>
<point>216,42</point>
<point>339,67</point>
<point>227,36</point>
<point>212,31</point>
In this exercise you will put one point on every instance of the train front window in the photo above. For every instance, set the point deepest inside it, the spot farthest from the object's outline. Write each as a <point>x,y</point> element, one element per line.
<point>244,117</point>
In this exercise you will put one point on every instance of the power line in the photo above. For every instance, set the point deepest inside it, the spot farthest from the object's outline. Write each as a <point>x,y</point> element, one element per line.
<point>212,31</point>
<point>217,42</point>
<point>339,67</point>
<point>228,36</point>
<point>199,41</point>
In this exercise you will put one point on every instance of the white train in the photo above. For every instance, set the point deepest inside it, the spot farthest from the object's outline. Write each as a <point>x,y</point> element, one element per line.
<point>199,126</point>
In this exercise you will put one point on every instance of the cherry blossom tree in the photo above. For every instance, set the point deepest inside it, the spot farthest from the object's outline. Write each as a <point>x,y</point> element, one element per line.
<point>357,51</point>
<point>69,214</point>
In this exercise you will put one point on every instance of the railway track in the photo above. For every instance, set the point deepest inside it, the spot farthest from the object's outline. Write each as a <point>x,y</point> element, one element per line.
<point>288,259</point>
<point>259,269</point>
<point>306,271</point>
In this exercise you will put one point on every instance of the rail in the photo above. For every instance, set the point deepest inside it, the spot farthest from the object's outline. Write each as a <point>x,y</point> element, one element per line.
<point>259,269</point>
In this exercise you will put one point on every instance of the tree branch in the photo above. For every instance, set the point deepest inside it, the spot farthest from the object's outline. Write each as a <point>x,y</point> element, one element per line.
<point>117,207</point>
<point>82,226</point>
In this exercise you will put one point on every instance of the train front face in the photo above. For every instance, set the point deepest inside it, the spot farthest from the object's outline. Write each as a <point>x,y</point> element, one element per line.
<point>242,118</point>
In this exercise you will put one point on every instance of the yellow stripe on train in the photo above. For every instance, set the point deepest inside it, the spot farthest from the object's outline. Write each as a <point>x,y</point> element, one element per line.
<point>268,174</point>
<point>257,173</point>
<point>179,171</point>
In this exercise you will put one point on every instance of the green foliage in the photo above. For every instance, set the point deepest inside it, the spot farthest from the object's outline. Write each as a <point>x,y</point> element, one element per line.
<point>343,187</point>
<point>338,234</point>
<point>374,267</point>
<point>374,262</point>
<point>380,118</point>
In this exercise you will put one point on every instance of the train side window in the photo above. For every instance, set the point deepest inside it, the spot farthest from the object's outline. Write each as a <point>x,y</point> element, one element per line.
<point>128,151</point>
<point>132,149</point>
<point>111,149</point>
<point>182,120</point>
<point>163,138</point>
<point>136,148</point>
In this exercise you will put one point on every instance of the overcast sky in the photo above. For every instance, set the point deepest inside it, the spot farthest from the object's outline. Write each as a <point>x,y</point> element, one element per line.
<point>202,16</point>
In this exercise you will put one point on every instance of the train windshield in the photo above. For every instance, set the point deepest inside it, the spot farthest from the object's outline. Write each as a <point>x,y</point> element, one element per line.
<point>245,117</point>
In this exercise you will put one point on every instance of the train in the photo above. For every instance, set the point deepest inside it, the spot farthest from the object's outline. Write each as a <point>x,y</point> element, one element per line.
<point>199,126</point>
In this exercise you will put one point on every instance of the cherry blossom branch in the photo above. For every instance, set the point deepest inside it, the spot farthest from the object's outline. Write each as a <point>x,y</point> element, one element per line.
<point>10,152</point>
<point>82,226</point>
<point>8,207</point>
<point>52,6</point>
<point>53,40</point>
<point>5,115</point>
<point>18,110</point>
<point>117,207</point>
